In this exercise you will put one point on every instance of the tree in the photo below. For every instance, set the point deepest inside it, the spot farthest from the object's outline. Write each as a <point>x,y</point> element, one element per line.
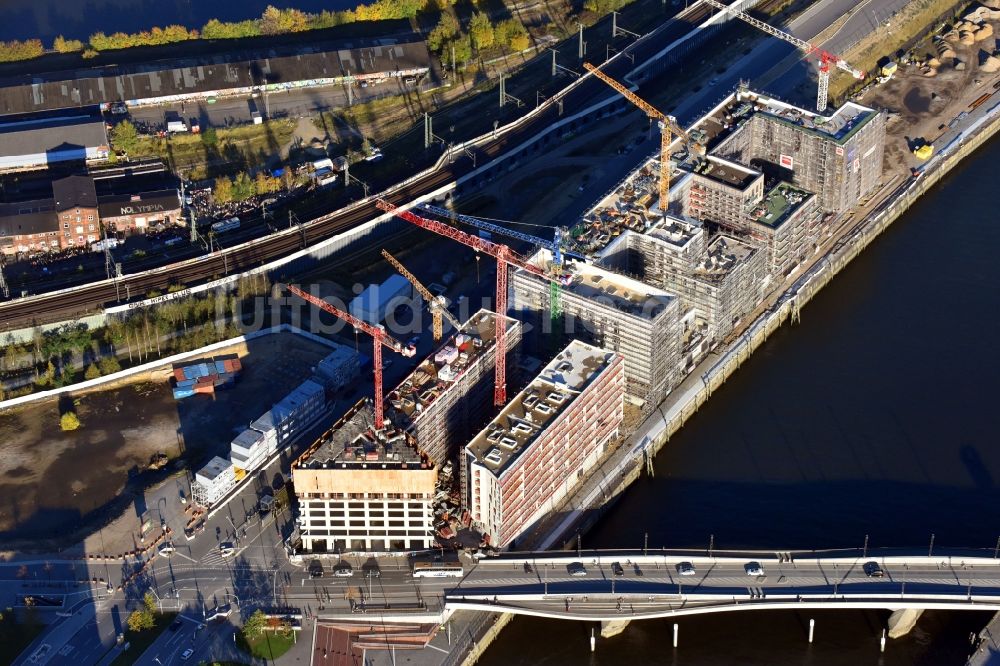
<point>255,624</point>
<point>63,45</point>
<point>463,49</point>
<point>140,620</point>
<point>446,28</point>
<point>149,601</point>
<point>125,137</point>
<point>243,187</point>
<point>210,137</point>
<point>92,372</point>
<point>513,34</point>
<point>481,31</point>
<point>276,21</point>
<point>69,422</point>
<point>109,365</point>
<point>14,50</point>
<point>222,192</point>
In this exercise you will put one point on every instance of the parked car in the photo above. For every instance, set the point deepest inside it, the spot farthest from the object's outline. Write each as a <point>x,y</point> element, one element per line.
<point>371,570</point>
<point>186,654</point>
<point>753,569</point>
<point>873,570</point>
<point>576,569</point>
<point>685,569</point>
<point>343,570</point>
<point>315,569</point>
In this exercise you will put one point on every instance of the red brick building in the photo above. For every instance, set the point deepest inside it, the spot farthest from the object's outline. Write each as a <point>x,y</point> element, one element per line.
<point>75,204</point>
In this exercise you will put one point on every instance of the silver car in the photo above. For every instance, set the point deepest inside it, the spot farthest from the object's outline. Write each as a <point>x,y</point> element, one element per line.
<point>685,569</point>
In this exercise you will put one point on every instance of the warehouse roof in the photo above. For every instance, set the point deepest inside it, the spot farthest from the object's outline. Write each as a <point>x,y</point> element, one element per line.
<point>27,217</point>
<point>116,205</point>
<point>534,409</point>
<point>74,192</point>
<point>46,135</point>
<point>188,76</point>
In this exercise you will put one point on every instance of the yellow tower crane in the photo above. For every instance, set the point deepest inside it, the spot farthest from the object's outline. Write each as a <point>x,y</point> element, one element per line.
<point>668,128</point>
<point>436,303</point>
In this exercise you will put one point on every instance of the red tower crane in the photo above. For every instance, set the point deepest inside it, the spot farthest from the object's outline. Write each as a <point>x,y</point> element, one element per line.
<point>378,335</point>
<point>824,57</point>
<point>504,256</point>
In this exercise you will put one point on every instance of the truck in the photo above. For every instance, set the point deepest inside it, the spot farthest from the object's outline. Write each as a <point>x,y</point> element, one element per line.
<point>176,126</point>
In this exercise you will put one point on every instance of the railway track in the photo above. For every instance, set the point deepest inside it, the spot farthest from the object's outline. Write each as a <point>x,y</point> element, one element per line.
<point>93,298</point>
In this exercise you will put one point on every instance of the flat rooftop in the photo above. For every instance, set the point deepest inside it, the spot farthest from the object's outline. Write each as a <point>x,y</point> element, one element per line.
<point>779,204</point>
<point>676,232</point>
<point>840,125</point>
<point>724,254</point>
<point>352,443</point>
<point>631,206</point>
<point>726,172</point>
<point>626,294</point>
<point>440,371</point>
<point>532,410</point>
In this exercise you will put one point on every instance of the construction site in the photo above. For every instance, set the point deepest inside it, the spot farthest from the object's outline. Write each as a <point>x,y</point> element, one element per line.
<point>661,271</point>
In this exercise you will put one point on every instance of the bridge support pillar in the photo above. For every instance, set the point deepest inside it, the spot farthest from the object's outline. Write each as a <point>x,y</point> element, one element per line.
<point>611,628</point>
<point>902,621</point>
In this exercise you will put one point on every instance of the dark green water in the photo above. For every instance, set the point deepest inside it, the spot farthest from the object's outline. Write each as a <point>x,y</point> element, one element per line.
<point>876,415</point>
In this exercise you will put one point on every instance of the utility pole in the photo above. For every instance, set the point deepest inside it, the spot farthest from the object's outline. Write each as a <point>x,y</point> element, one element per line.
<point>427,130</point>
<point>581,48</point>
<point>350,92</point>
<point>453,70</point>
<point>554,52</point>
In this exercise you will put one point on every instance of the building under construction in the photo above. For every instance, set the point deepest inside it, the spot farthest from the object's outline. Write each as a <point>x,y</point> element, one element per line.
<point>362,489</point>
<point>612,311</point>
<point>543,441</point>
<point>836,156</point>
<point>449,395</point>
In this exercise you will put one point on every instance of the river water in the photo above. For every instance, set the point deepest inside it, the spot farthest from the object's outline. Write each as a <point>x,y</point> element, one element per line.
<point>24,19</point>
<point>876,415</point>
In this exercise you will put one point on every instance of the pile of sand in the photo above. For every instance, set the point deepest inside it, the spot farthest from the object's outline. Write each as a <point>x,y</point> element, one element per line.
<point>990,65</point>
<point>984,32</point>
<point>928,71</point>
<point>959,65</point>
<point>944,49</point>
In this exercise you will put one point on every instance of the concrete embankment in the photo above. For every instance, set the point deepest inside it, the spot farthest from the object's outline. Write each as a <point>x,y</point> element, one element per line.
<point>987,651</point>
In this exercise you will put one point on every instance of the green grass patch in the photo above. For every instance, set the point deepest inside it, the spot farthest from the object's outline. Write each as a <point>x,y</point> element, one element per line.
<point>269,645</point>
<point>16,635</point>
<point>236,149</point>
<point>139,641</point>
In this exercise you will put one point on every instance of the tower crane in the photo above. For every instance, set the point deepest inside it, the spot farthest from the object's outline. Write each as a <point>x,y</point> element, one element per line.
<point>437,304</point>
<point>379,336</point>
<point>504,256</point>
<point>825,57</point>
<point>668,127</point>
<point>555,246</point>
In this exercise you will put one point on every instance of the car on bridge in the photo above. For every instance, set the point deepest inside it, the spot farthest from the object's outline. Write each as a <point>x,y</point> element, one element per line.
<point>685,569</point>
<point>576,569</point>
<point>616,569</point>
<point>753,569</point>
<point>371,570</point>
<point>873,570</point>
<point>343,570</point>
<point>315,569</point>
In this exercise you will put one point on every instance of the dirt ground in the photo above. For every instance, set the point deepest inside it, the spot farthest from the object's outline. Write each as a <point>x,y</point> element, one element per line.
<point>921,107</point>
<point>51,481</point>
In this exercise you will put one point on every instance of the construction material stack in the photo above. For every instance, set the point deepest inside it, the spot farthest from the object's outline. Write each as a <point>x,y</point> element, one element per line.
<point>205,376</point>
